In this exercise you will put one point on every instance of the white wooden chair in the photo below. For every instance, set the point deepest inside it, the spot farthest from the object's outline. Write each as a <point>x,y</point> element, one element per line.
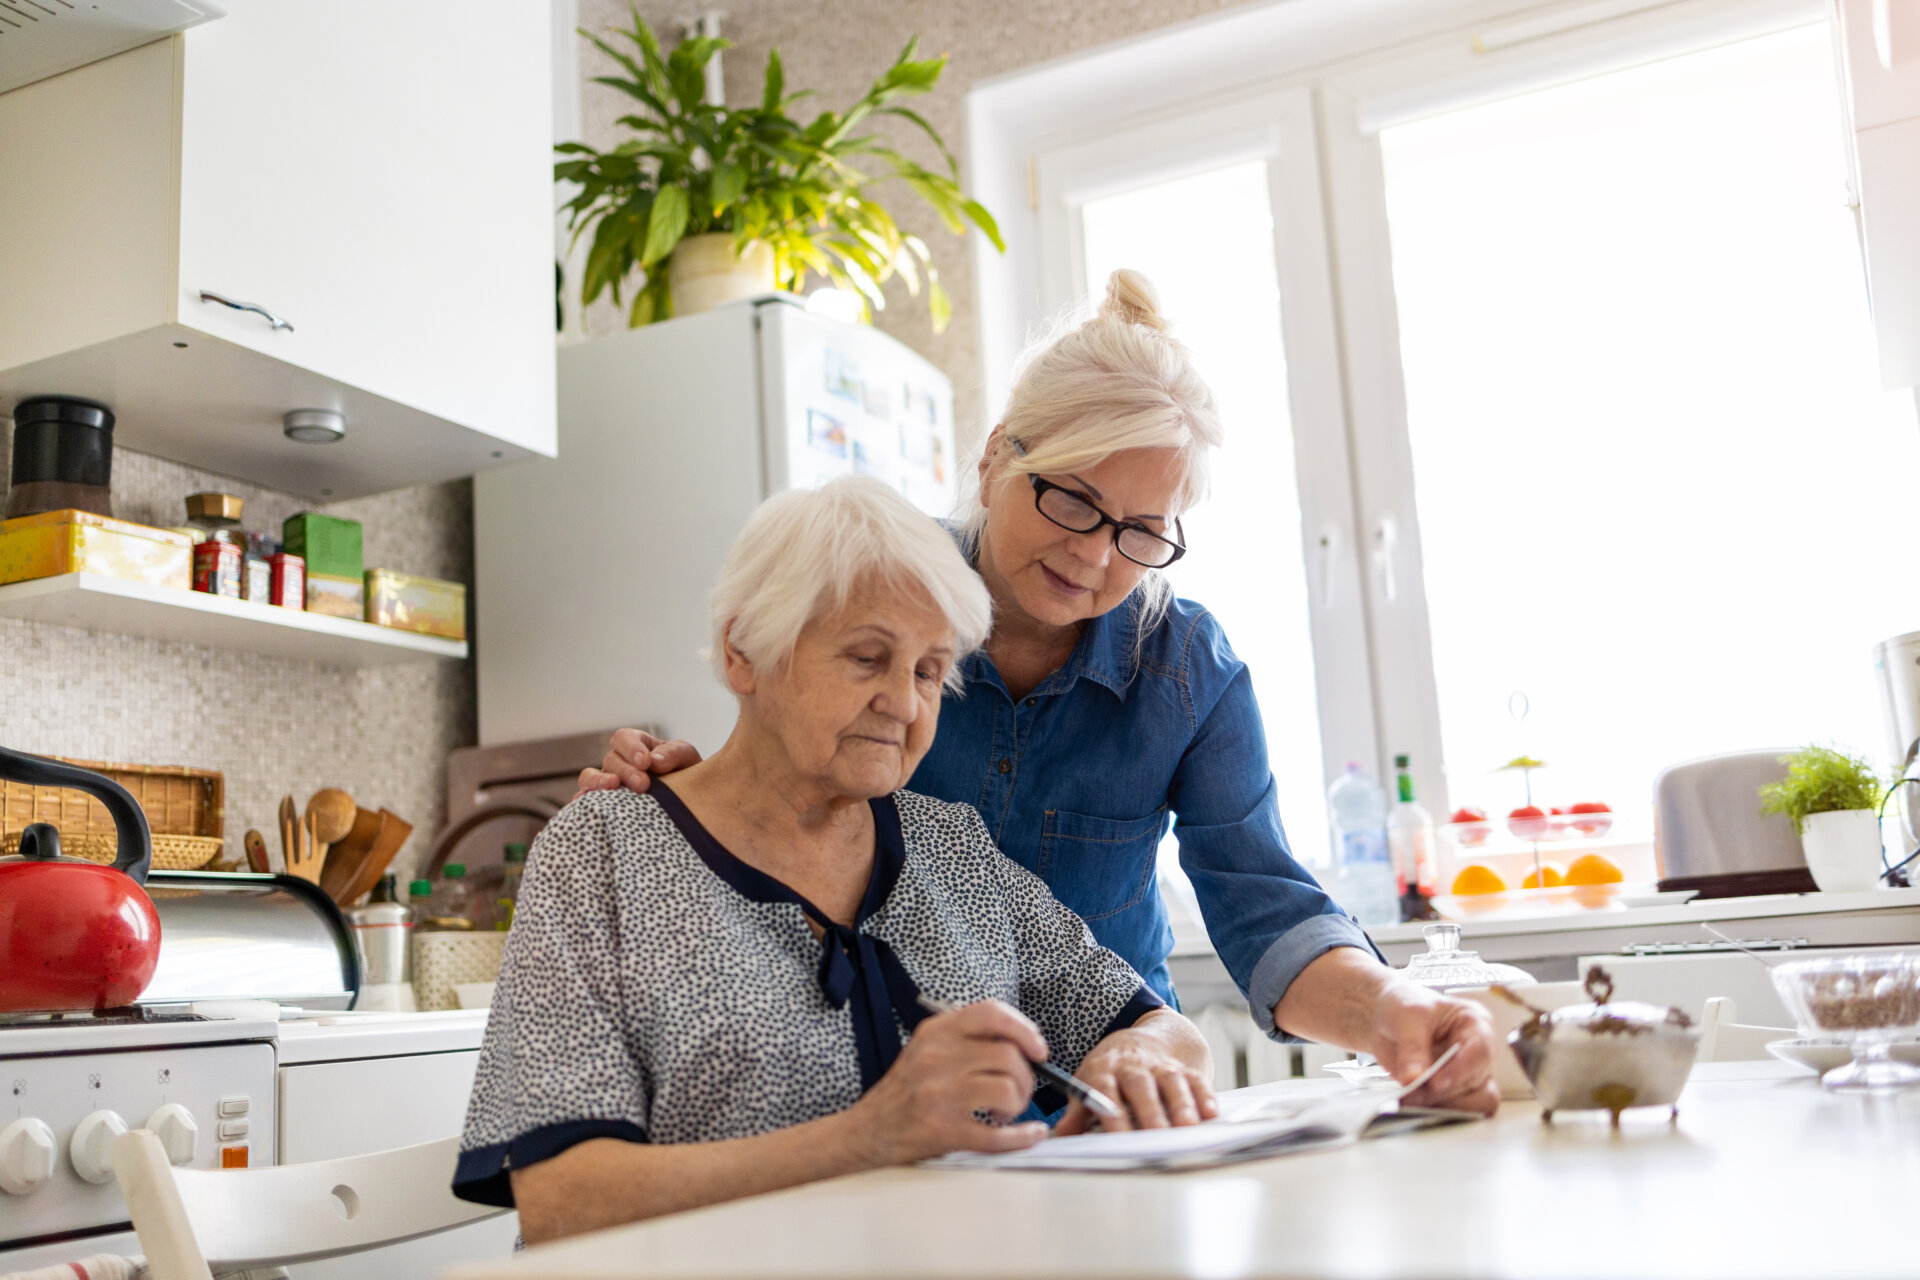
<point>1724,1040</point>
<point>194,1222</point>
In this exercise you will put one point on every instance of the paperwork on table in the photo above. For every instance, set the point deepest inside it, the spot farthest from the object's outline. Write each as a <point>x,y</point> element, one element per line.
<point>1249,1129</point>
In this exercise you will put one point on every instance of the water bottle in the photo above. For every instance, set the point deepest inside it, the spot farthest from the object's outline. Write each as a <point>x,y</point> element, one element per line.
<point>1362,867</point>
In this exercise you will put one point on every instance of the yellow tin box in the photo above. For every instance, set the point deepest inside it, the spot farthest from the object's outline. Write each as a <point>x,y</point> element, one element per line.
<point>56,542</point>
<point>426,605</point>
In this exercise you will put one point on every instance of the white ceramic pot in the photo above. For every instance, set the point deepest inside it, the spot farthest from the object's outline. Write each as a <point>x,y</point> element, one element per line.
<point>1843,850</point>
<point>703,272</point>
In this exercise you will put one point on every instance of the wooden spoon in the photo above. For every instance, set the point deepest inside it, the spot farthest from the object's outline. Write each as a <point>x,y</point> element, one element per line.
<point>256,845</point>
<point>333,811</point>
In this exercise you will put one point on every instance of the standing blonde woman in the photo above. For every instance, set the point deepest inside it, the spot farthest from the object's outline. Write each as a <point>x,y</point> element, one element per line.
<point>1101,708</point>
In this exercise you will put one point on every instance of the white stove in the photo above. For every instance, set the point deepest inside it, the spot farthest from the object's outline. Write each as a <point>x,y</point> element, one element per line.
<point>70,1086</point>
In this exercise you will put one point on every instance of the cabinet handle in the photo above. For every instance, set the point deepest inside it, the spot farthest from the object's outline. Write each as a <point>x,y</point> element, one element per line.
<point>209,296</point>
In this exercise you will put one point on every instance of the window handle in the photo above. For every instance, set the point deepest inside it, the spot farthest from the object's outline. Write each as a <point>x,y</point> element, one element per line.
<point>1385,544</point>
<point>207,295</point>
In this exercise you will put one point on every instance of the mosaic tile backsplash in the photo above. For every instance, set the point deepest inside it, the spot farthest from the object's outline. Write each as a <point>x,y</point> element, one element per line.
<point>272,726</point>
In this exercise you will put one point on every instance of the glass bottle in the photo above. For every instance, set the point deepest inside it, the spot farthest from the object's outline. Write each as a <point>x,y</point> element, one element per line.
<point>452,903</point>
<point>513,870</point>
<point>1410,838</point>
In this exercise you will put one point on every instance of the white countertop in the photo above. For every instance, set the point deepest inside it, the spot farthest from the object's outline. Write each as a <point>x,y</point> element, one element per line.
<point>340,1036</point>
<point>1769,906</point>
<point>1766,1174</point>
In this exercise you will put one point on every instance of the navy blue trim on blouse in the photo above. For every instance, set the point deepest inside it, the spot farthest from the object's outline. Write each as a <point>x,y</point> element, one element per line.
<point>481,1175</point>
<point>856,969</point>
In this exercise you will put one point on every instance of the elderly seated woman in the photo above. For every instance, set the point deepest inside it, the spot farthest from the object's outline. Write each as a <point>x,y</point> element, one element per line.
<point>711,990</point>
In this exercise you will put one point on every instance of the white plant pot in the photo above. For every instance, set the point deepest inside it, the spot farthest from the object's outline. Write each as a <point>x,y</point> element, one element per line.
<point>703,272</point>
<point>1843,850</point>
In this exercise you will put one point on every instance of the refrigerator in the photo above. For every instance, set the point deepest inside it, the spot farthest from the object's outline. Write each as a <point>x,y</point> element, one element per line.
<point>592,569</point>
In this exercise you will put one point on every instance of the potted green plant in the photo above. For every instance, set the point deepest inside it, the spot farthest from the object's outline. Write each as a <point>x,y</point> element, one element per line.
<point>1834,801</point>
<point>739,200</point>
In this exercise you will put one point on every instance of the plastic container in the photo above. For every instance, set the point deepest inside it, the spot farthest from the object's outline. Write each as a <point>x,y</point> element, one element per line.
<point>1363,880</point>
<point>513,870</point>
<point>62,457</point>
<point>451,907</point>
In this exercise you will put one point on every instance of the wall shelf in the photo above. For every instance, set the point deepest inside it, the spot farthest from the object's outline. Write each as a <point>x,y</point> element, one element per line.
<point>193,617</point>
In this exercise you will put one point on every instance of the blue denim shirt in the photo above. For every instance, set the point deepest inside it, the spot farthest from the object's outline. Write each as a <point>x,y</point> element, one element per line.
<point>1078,780</point>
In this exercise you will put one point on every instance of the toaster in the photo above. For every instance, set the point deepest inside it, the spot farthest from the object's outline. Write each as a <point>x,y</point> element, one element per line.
<point>1710,836</point>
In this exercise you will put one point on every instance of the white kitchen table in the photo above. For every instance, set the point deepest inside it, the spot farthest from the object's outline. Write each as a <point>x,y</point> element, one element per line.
<point>1765,1174</point>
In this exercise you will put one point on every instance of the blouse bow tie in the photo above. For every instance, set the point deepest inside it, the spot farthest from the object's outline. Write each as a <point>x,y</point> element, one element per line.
<point>862,970</point>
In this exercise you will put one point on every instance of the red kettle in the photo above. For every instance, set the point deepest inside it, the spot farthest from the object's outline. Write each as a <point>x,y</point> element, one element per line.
<point>75,935</point>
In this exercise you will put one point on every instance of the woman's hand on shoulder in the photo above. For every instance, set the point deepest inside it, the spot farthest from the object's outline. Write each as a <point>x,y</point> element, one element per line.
<point>1138,1069</point>
<point>633,758</point>
<point>974,1059</point>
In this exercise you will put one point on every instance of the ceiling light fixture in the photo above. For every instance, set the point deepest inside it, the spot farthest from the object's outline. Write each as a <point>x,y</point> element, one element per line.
<point>315,426</point>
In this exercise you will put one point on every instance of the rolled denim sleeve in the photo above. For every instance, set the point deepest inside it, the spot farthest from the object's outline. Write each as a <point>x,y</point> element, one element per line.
<point>1267,916</point>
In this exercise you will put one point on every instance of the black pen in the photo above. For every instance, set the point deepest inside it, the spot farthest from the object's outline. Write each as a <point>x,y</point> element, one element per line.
<point>1097,1102</point>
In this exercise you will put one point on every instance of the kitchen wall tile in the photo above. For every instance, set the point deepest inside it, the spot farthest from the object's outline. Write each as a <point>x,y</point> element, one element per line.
<point>272,726</point>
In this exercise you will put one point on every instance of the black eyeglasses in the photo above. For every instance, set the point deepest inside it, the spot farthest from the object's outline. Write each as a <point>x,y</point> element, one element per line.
<point>1073,511</point>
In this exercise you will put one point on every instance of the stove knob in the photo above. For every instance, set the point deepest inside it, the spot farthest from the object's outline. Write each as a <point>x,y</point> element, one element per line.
<point>92,1147</point>
<point>173,1125</point>
<point>26,1156</point>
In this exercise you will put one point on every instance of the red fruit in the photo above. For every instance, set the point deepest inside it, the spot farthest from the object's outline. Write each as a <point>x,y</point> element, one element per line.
<point>1470,826</point>
<point>1599,819</point>
<point>1468,815</point>
<point>1556,812</point>
<point>1528,822</point>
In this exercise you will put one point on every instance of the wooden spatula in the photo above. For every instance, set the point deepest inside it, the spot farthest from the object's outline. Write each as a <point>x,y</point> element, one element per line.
<point>347,854</point>
<point>309,853</point>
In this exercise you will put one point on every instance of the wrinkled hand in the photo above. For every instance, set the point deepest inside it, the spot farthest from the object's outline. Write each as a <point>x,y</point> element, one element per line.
<point>1412,1026</point>
<point>973,1059</point>
<point>1155,1089</point>
<point>632,758</point>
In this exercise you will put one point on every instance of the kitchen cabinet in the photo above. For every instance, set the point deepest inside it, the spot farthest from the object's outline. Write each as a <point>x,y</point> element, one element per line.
<point>1880,56</point>
<point>377,180</point>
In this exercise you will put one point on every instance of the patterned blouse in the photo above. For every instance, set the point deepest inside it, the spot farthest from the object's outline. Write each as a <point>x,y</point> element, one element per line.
<point>658,989</point>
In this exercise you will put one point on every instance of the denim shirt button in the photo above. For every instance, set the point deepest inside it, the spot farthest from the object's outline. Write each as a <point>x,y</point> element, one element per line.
<point>1033,702</point>
<point>1006,766</point>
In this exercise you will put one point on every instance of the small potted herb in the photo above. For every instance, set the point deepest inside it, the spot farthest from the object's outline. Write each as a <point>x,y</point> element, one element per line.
<point>1834,801</point>
<point>708,202</point>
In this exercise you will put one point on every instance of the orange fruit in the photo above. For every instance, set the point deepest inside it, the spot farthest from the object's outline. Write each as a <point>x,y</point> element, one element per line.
<point>1478,877</point>
<point>1550,876</point>
<point>1591,868</point>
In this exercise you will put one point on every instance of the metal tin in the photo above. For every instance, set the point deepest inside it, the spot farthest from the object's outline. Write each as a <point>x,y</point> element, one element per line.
<point>259,580</point>
<point>334,596</point>
<point>71,541</point>
<point>216,569</point>
<point>289,586</point>
<point>426,605</point>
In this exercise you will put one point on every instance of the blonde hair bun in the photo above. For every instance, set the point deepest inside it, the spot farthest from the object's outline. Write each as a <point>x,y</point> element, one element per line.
<point>1132,299</point>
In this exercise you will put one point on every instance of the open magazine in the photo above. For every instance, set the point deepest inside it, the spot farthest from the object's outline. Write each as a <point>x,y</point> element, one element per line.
<point>1249,1128</point>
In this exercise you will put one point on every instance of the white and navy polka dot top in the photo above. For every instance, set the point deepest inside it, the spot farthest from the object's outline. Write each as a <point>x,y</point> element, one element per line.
<point>658,989</point>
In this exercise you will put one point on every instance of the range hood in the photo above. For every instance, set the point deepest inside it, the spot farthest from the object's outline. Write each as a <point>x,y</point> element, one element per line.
<point>41,38</point>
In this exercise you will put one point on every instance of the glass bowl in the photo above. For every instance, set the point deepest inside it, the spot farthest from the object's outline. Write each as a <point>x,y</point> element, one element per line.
<point>1868,1001</point>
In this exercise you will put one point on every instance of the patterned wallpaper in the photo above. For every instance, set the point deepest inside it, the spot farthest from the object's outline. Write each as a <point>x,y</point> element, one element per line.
<point>837,49</point>
<point>272,726</point>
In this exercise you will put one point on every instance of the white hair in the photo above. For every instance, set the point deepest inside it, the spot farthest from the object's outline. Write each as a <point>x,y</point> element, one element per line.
<point>804,551</point>
<point>1090,390</point>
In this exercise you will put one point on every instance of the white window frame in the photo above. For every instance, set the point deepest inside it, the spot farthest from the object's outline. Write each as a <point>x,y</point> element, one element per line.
<point>1362,65</point>
<point>1276,129</point>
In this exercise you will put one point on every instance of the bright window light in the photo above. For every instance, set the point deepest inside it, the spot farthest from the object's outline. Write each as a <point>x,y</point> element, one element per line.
<point>1206,242</point>
<point>1659,490</point>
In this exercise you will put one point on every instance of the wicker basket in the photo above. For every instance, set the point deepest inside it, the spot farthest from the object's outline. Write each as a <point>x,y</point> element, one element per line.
<point>185,810</point>
<point>170,853</point>
<point>442,961</point>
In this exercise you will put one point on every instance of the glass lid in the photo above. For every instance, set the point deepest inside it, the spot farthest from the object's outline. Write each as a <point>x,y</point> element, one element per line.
<point>1445,965</point>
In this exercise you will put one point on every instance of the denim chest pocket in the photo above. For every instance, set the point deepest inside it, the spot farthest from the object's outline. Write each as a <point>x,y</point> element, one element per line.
<point>1099,866</point>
